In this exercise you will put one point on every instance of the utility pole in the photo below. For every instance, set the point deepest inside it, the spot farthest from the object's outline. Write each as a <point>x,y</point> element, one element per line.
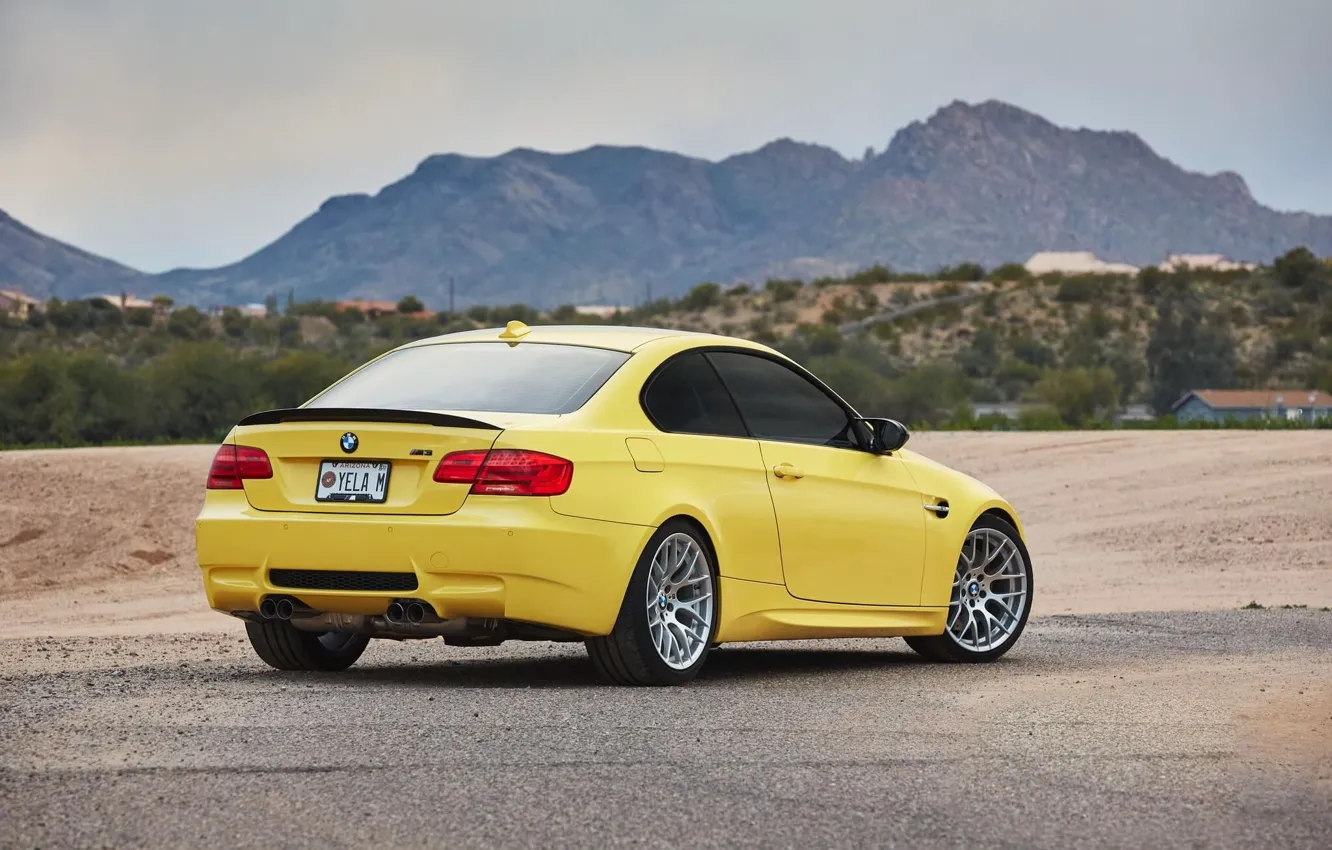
<point>649,293</point>
<point>450,295</point>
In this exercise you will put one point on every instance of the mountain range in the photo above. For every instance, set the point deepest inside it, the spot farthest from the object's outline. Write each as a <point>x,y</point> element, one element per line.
<point>985,182</point>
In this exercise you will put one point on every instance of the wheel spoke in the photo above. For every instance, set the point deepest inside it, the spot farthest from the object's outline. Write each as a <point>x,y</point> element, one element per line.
<point>988,559</point>
<point>692,604</point>
<point>680,601</point>
<point>1001,603</point>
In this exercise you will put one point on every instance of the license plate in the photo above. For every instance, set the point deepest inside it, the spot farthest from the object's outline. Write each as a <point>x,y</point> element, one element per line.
<point>352,481</point>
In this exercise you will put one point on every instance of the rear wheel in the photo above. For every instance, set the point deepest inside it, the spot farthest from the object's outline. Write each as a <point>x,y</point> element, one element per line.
<point>669,615</point>
<point>282,645</point>
<point>991,597</point>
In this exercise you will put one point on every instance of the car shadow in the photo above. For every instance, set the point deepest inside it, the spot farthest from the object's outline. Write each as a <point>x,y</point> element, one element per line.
<point>575,670</point>
<point>764,662</point>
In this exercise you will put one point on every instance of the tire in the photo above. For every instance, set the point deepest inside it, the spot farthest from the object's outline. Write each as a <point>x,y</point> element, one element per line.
<point>666,640</point>
<point>975,601</point>
<point>285,647</point>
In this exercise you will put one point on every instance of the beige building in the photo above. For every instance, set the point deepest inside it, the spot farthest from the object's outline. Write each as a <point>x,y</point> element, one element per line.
<point>17,304</point>
<point>1074,262</point>
<point>127,301</point>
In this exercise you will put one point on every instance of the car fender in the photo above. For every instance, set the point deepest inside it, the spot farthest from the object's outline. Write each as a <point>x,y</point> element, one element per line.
<point>968,499</point>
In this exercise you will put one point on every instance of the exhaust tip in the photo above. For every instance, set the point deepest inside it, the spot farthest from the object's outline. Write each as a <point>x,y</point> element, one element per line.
<point>416,612</point>
<point>267,608</point>
<point>285,609</point>
<point>396,613</point>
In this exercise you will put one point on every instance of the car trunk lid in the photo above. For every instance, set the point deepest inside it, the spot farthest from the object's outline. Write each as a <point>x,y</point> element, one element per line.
<point>305,445</point>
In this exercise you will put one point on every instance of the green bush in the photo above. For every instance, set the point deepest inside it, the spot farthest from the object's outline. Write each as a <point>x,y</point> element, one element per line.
<point>701,297</point>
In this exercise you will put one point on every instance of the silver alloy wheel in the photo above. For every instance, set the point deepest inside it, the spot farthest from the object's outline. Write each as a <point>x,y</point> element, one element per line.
<point>680,601</point>
<point>990,591</point>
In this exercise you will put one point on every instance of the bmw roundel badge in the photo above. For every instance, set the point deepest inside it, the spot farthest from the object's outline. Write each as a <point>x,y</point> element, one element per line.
<point>349,442</point>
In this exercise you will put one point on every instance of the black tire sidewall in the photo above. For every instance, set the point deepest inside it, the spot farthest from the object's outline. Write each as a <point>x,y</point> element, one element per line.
<point>285,647</point>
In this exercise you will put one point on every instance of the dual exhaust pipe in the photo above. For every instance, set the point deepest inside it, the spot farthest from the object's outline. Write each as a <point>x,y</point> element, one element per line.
<point>277,608</point>
<point>402,612</point>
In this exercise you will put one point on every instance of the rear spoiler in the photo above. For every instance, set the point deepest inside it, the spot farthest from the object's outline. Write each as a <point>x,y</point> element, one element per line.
<point>364,414</point>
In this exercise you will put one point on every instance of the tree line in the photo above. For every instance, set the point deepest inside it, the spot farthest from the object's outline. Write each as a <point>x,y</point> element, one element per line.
<point>86,372</point>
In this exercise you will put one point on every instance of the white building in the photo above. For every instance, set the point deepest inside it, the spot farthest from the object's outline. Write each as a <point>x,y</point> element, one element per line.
<point>604,311</point>
<point>1214,262</point>
<point>1074,262</point>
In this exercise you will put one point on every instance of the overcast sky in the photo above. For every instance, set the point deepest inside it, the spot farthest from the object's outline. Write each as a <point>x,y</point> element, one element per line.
<point>172,132</point>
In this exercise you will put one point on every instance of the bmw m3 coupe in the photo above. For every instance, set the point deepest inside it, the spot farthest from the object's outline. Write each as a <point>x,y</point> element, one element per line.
<point>651,493</point>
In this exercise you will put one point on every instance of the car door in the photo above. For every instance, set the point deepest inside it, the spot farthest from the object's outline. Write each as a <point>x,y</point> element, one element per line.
<point>850,523</point>
<point>710,461</point>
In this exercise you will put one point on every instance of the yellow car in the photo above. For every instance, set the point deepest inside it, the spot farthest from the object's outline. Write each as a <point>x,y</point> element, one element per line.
<point>651,493</point>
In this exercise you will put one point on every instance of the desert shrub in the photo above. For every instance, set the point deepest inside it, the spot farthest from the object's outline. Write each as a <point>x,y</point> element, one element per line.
<point>701,297</point>
<point>783,290</point>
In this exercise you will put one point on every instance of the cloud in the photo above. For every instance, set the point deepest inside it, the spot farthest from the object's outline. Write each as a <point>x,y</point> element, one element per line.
<point>168,133</point>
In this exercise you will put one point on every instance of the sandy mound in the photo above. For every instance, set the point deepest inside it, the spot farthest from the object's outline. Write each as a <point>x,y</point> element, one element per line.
<point>98,540</point>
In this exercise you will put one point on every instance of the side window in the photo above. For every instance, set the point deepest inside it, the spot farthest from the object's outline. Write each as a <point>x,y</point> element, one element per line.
<point>779,403</point>
<point>687,397</point>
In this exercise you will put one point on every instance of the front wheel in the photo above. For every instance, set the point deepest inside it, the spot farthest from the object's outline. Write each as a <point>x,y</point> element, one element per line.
<point>669,615</point>
<point>282,645</point>
<point>991,597</point>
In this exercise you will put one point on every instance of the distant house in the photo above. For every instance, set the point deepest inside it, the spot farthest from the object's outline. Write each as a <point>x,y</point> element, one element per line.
<point>1212,262</point>
<point>605,311</point>
<point>1219,405</point>
<point>372,309</point>
<point>1074,262</point>
<point>17,304</point>
<point>1006,409</point>
<point>1013,410</point>
<point>128,301</point>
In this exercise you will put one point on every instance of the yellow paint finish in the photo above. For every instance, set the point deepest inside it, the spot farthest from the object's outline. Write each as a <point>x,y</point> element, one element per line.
<point>753,611</point>
<point>717,481</point>
<point>508,556</point>
<point>967,499</point>
<point>296,450</point>
<point>850,523</point>
<point>646,456</point>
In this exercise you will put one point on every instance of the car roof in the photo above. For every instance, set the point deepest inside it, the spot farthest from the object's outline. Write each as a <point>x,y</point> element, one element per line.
<point>614,337</point>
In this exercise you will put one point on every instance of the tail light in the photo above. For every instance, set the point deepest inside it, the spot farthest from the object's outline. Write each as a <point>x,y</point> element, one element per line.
<point>460,467</point>
<point>507,472</point>
<point>233,464</point>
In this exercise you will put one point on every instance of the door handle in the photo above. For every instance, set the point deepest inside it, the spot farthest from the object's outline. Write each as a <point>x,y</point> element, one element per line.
<point>787,470</point>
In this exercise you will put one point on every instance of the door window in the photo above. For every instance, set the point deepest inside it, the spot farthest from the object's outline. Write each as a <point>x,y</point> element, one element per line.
<point>778,403</point>
<point>688,397</point>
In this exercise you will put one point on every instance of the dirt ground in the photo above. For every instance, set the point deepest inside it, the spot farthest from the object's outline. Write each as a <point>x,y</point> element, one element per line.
<point>1130,715</point>
<point>1163,730</point>
<point>100,541</point>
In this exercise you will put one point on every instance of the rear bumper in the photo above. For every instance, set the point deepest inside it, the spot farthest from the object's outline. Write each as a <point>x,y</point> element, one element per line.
<point>497,557</point>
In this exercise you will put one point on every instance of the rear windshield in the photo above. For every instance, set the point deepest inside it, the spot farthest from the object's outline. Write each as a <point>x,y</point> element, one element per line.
<point>528,378</point>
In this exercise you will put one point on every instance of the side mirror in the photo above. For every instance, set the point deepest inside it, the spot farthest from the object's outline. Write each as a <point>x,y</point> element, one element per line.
<point>886,435</point>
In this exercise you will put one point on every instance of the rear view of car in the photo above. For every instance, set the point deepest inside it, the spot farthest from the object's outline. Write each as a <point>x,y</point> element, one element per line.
<point>375,511</point>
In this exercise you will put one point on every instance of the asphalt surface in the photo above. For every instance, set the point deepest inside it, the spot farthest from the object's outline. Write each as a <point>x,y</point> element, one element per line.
<point>1164,730</point>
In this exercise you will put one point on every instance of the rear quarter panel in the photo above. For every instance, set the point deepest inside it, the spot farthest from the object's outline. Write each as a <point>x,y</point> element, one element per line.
<point>719,482</point>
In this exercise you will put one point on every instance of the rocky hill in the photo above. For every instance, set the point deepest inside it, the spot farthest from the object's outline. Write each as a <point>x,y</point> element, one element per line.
<point>986,182</point>
<point>42,266</point>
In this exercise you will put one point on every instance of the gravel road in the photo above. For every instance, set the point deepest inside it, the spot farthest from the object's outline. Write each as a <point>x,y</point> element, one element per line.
<point>1203,729</point>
